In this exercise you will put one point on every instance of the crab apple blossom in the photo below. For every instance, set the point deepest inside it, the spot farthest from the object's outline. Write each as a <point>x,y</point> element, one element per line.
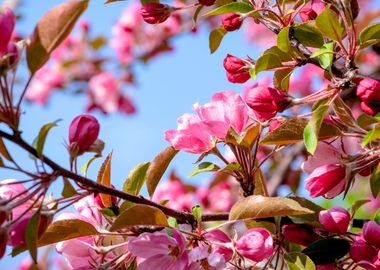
<point>218,240</point>
<point>371,233</point>
<point>237,70</point>
<point>232,21</point>
<point>226,110</point>
<point>158,248</point>
<point>308,14</point>
<point>266,102</point>
<point>369,92</point>
<point>154,13</point>
<point>83,132</point>
<point>191,135</point>
<point>361,250</point>
<point>335,219</point>
<point>327,180</point>
<point>255,244</point>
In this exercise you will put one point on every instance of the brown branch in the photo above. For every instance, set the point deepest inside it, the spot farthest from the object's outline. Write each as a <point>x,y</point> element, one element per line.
<point>181,216</point>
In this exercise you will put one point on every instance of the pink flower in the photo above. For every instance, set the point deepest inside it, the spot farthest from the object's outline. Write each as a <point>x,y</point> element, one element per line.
<point>300,234</point>
<point>318,6</point>
<point>237,70</point>
<point>266,102</point>
<point>369,92</point>
<point>10,188</point>
<point>327,180</point>
<point>232,21</point>
<point>83,132</point>
<point>226,109</point>
<point>45,81</point>
<point>335,220</point>
<point>154,13</point>
<point>218,239</point>
<point>255,244</point>
<point>176,194</point>
<point>371,233</point>
<point>191,135</point>
<point>361,250</point>
<point>160,249</point>
<point>7,24</point>
<point>220,197</point>
<point>104,92</point>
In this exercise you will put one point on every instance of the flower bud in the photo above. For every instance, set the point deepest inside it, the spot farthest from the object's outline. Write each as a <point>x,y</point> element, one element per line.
<point>371,233</point>
<point>361,250</point>
<point>299,234</point>
<point>7,24</point>
<point>266,102</point>
<point>335,219</point>
<point>308,14</point>
<point>368,89</point>
<point>255,244</point>
<point>206,2</point>
<point>154,13</point>
<point>237,70</point>
<point>83,132</point>
<point>217,236</point>
<point>327,180</point>
<point>232,21</point>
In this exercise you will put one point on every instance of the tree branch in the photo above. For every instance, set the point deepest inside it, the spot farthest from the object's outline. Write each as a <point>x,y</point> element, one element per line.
<point>181,216</point>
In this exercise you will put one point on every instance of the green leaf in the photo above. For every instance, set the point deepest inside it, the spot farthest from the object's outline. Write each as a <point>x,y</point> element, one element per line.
<point>197,213</point>
<point>204,167</point>
<point>258,206</point>
<point>370,35</point>
<point>267,61</point>
<point>39,142</point>
<point>355,207</point>
<point>329,25</point>
<point>377,217</point>
<point>158,167</point>
<point>311,131</point>
<point>172,222</point>
<point>252,73</point>
<point>51,30</point>
<point>233,166</point>
<point>291,131</point>
<point>31,235</point>
<point>372,135</point>
<point>85,166</point>
<point>139,214</point>
<point>298,261</point>
<point>308,34</point>
<point>281,78</point>
<point>327,250</point>
<point>215,38</point>
<point>63,230</point>
<point>68,190</point>
<point>234,7</point>
<point>136,179</point>
<point>283,42</point>
<point>375,182</point>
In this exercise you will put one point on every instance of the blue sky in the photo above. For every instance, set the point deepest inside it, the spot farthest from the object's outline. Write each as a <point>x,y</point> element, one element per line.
<point>167,88</point>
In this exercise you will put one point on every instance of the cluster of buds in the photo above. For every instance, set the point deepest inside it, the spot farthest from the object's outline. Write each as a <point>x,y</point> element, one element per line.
<point>237,70</point>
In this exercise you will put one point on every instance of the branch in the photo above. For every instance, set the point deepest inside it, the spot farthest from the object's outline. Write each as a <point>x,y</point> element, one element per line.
<point>181,216</point>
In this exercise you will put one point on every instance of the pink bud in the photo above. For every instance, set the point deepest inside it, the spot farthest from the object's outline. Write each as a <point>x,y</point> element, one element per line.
<point>154,13</point>
<point>266,102</point>
<point>335,219</point>
<point>255,244</point>
<point>308,14</point>
<point>368,89</point>
<point>7,24</point>
<point>232,21</point>
<point>371,233</point>
<point>299,234</point>
<point>206,2</point>
<point>83,132</point>
<point>327,180</point>
<point>237,70</point>
<point>361,250</point>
